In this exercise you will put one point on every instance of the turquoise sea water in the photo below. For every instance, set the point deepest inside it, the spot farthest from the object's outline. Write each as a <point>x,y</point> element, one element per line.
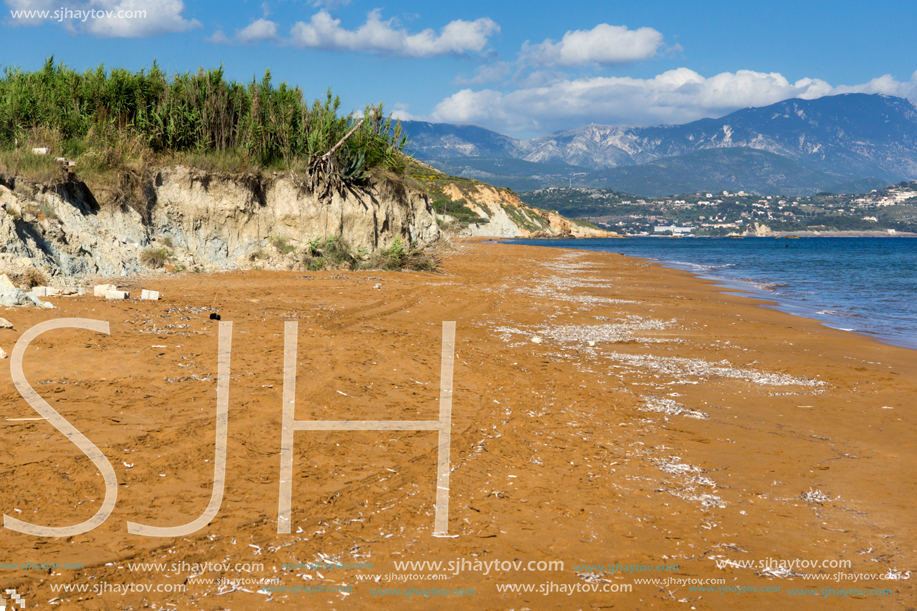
<point>863,285</point>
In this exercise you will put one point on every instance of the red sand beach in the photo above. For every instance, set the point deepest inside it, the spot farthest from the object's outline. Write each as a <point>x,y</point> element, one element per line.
<point>613,423</point>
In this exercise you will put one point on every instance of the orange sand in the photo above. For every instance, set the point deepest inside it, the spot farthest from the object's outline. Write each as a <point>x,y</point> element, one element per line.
<point>554,455</point>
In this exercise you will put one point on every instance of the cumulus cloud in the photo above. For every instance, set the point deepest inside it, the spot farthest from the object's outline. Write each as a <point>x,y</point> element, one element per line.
<point>261,29</point>
<point>218,38</point>
<point>106,18</point>
<point>673,97</point>
<point>400,112</point>
<point>603,45</point>
<point>885,84</point>
<point>329,4</point>
<point>387,37</point>
<point>486,74</point>
<point>547,62</point>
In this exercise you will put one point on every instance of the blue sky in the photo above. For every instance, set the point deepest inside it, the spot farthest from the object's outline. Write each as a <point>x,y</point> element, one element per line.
<point>523,68</point>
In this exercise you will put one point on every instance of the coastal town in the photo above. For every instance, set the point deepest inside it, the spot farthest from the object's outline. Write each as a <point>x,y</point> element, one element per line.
<point>890,211</point>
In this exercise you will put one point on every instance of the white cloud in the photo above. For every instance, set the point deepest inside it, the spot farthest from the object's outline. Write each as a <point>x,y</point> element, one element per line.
<point>388,38</point>
<point>885,84</point>
<point>261,29</point>
<point>400,112</point>
<point>484,75</point>
<point>543,64</point>
<point>329,4</point>
<point>603,45</point>
<point>108,18</point>
<point>218,38</point>
<point>673,97</point>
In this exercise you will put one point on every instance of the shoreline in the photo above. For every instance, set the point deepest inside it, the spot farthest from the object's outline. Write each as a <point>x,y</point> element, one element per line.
<point>766,287</point>
<point>658,421</point>
<point>843,234</point>
<point>750,288</point>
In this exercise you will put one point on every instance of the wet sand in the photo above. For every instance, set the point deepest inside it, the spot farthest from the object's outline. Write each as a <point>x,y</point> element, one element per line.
<point>606,411</point>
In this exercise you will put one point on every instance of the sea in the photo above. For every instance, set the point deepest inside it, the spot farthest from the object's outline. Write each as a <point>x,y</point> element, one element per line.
<point>861,285</point>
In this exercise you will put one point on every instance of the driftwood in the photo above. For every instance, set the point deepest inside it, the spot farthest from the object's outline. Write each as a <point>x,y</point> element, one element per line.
<point>323,172</point>
<point>343,140</point>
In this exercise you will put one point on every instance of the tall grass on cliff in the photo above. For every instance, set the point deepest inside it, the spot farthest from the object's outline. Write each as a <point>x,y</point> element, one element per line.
<point>107,118</point>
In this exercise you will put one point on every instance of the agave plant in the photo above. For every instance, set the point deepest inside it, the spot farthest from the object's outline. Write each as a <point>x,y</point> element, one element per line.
<point>326,174</point>
<point>353,166</point>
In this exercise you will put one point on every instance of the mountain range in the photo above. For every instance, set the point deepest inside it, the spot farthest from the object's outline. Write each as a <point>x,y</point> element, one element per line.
<point>831,143</point>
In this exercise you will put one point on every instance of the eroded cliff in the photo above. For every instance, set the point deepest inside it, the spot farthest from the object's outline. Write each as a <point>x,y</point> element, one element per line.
<point>502,214</point>
<point>208,221</point>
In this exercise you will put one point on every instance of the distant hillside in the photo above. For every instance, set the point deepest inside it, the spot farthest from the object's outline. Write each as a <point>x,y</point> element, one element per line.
<point>851,136</point>
<point>724,169</point>
<point>432,140</point>
<point>516,174</point>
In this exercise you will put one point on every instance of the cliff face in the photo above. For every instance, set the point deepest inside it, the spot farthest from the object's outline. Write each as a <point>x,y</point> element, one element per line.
<point>507,217</point>
<point>760,230</point>
<point>228,218</point>
<point>211,222</point>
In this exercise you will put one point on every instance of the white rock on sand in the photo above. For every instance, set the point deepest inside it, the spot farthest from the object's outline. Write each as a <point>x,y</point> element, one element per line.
<point>10,295</point>
<point>101,289</point>
<point>6,283</point>
<point>13,297</point>
<point>38,302</point>
<point>5,324</point>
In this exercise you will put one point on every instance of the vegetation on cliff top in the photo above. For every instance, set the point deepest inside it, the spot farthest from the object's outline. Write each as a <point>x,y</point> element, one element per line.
<point>268,125</point>
<point>435,183</point>
<point>117,125</point>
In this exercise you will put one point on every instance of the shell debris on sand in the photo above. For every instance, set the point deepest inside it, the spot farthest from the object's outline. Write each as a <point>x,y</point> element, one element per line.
<point>558,286</point>
<point>780,572</point>
<point>677,366</point>
<point>609,333</point>
<point>592,334</point>
<point>690,478</point>
<point>670,407</point>
<point>815,496</point>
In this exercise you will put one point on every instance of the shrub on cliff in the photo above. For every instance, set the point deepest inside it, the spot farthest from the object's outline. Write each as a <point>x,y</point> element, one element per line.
<point>403,256</point>
<point>154,257</point>
<point>104,117</point>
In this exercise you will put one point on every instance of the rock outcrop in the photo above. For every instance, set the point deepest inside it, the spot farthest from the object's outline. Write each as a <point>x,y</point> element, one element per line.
<point>212,221</point>
<point>508,217</point>
<point>208,221</point>
<point>759,230</point>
